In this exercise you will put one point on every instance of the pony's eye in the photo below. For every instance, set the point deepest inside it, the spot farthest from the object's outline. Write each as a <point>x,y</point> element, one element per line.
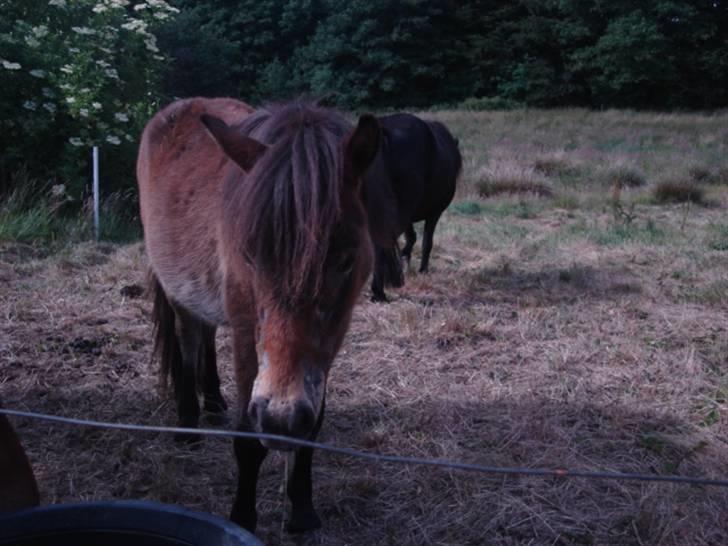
<point>345,265</point>
<point>322,315</point>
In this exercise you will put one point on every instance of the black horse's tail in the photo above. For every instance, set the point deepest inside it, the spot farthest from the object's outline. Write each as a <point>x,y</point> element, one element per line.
<point>166,345</point>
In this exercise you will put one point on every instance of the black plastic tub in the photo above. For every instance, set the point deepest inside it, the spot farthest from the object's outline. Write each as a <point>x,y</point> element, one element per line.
<point>119,523</point>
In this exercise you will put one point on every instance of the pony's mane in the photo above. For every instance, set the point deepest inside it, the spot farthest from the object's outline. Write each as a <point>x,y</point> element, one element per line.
<point>289,204</point>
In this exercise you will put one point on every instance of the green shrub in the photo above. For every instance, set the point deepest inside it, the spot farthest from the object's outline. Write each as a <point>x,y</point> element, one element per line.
<point>75,75</point>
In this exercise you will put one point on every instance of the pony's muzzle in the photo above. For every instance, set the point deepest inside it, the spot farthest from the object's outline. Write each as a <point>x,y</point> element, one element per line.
<point>295,419</point>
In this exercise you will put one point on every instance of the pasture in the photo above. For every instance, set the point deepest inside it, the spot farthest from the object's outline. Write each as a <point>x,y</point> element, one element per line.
<point>582,324</point>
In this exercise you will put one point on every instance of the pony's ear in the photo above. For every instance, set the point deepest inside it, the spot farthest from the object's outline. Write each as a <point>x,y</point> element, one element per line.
<point>362,144</point>
<point>243,150</point>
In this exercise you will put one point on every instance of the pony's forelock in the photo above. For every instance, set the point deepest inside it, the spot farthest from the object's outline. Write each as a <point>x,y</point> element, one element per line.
<point>290,202</point>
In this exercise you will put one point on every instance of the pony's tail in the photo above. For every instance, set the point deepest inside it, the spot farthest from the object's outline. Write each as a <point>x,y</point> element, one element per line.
<point>166,346</point>
<point>391,264</point>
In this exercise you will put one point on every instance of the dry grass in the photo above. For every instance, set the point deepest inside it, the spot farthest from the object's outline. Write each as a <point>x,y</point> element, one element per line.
<point>543,337</point>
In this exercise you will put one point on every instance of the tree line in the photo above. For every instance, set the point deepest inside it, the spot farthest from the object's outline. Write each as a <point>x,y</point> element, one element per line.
<point>76,73</point>
<point>656,54</point>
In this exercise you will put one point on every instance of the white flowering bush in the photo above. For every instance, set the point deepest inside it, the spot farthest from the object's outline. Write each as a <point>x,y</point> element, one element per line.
<point>73,74</point>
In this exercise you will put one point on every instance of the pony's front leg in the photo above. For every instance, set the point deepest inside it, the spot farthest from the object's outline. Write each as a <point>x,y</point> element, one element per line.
<point>249,453</point>
<point>303,515</point>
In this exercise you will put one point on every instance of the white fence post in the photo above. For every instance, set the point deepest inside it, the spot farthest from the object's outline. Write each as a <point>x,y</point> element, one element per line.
<point>96,192</point>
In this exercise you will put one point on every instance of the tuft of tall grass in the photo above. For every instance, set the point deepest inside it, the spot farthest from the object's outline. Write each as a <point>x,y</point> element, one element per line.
<point>717,236</point>
<point>622,176</point>
<point>119,220</point>
<point>721,176</point>
<point>701,174</point>
<point>30,213</point>
<point>35,213</point>
<point>556,166</point>
<point>511,178</point>
<point>678,190</point>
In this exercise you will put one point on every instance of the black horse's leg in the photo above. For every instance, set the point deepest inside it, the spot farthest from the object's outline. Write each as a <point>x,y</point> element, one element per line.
<point>184,373</point>
<point>303,515</point>
<point>378,294</point>
<point>430,224</point>
<point>214,404</point>
<point>410,240</point>
<point>249,455</point>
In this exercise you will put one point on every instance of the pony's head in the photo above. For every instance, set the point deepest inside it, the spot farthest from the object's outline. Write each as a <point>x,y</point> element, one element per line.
<point>295,221</point>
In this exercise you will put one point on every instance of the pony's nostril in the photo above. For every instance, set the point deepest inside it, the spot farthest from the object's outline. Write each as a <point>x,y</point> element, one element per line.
<point>256,408</point>
<point>301,421</point>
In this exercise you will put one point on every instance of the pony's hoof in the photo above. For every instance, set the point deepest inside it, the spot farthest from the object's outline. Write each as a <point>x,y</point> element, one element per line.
<point>188,438</point>
<point>246,519</point>
<point>379,298</point>
<point>302,521</point>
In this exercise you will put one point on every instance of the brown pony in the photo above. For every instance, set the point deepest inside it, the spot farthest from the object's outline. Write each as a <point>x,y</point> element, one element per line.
<point>256,221</point>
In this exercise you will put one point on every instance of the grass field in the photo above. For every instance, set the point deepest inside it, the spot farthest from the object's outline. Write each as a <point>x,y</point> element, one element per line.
<point>574,317</point>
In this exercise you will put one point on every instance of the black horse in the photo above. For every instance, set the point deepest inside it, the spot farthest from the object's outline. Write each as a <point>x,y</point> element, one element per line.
<point>412,179</point>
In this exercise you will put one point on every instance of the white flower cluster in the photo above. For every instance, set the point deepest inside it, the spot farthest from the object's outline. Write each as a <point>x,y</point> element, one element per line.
<point>141,27</point>
<point>161,8</point>
<point>136,25</point>
<point>77,68</point>
<point>83,30</point>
